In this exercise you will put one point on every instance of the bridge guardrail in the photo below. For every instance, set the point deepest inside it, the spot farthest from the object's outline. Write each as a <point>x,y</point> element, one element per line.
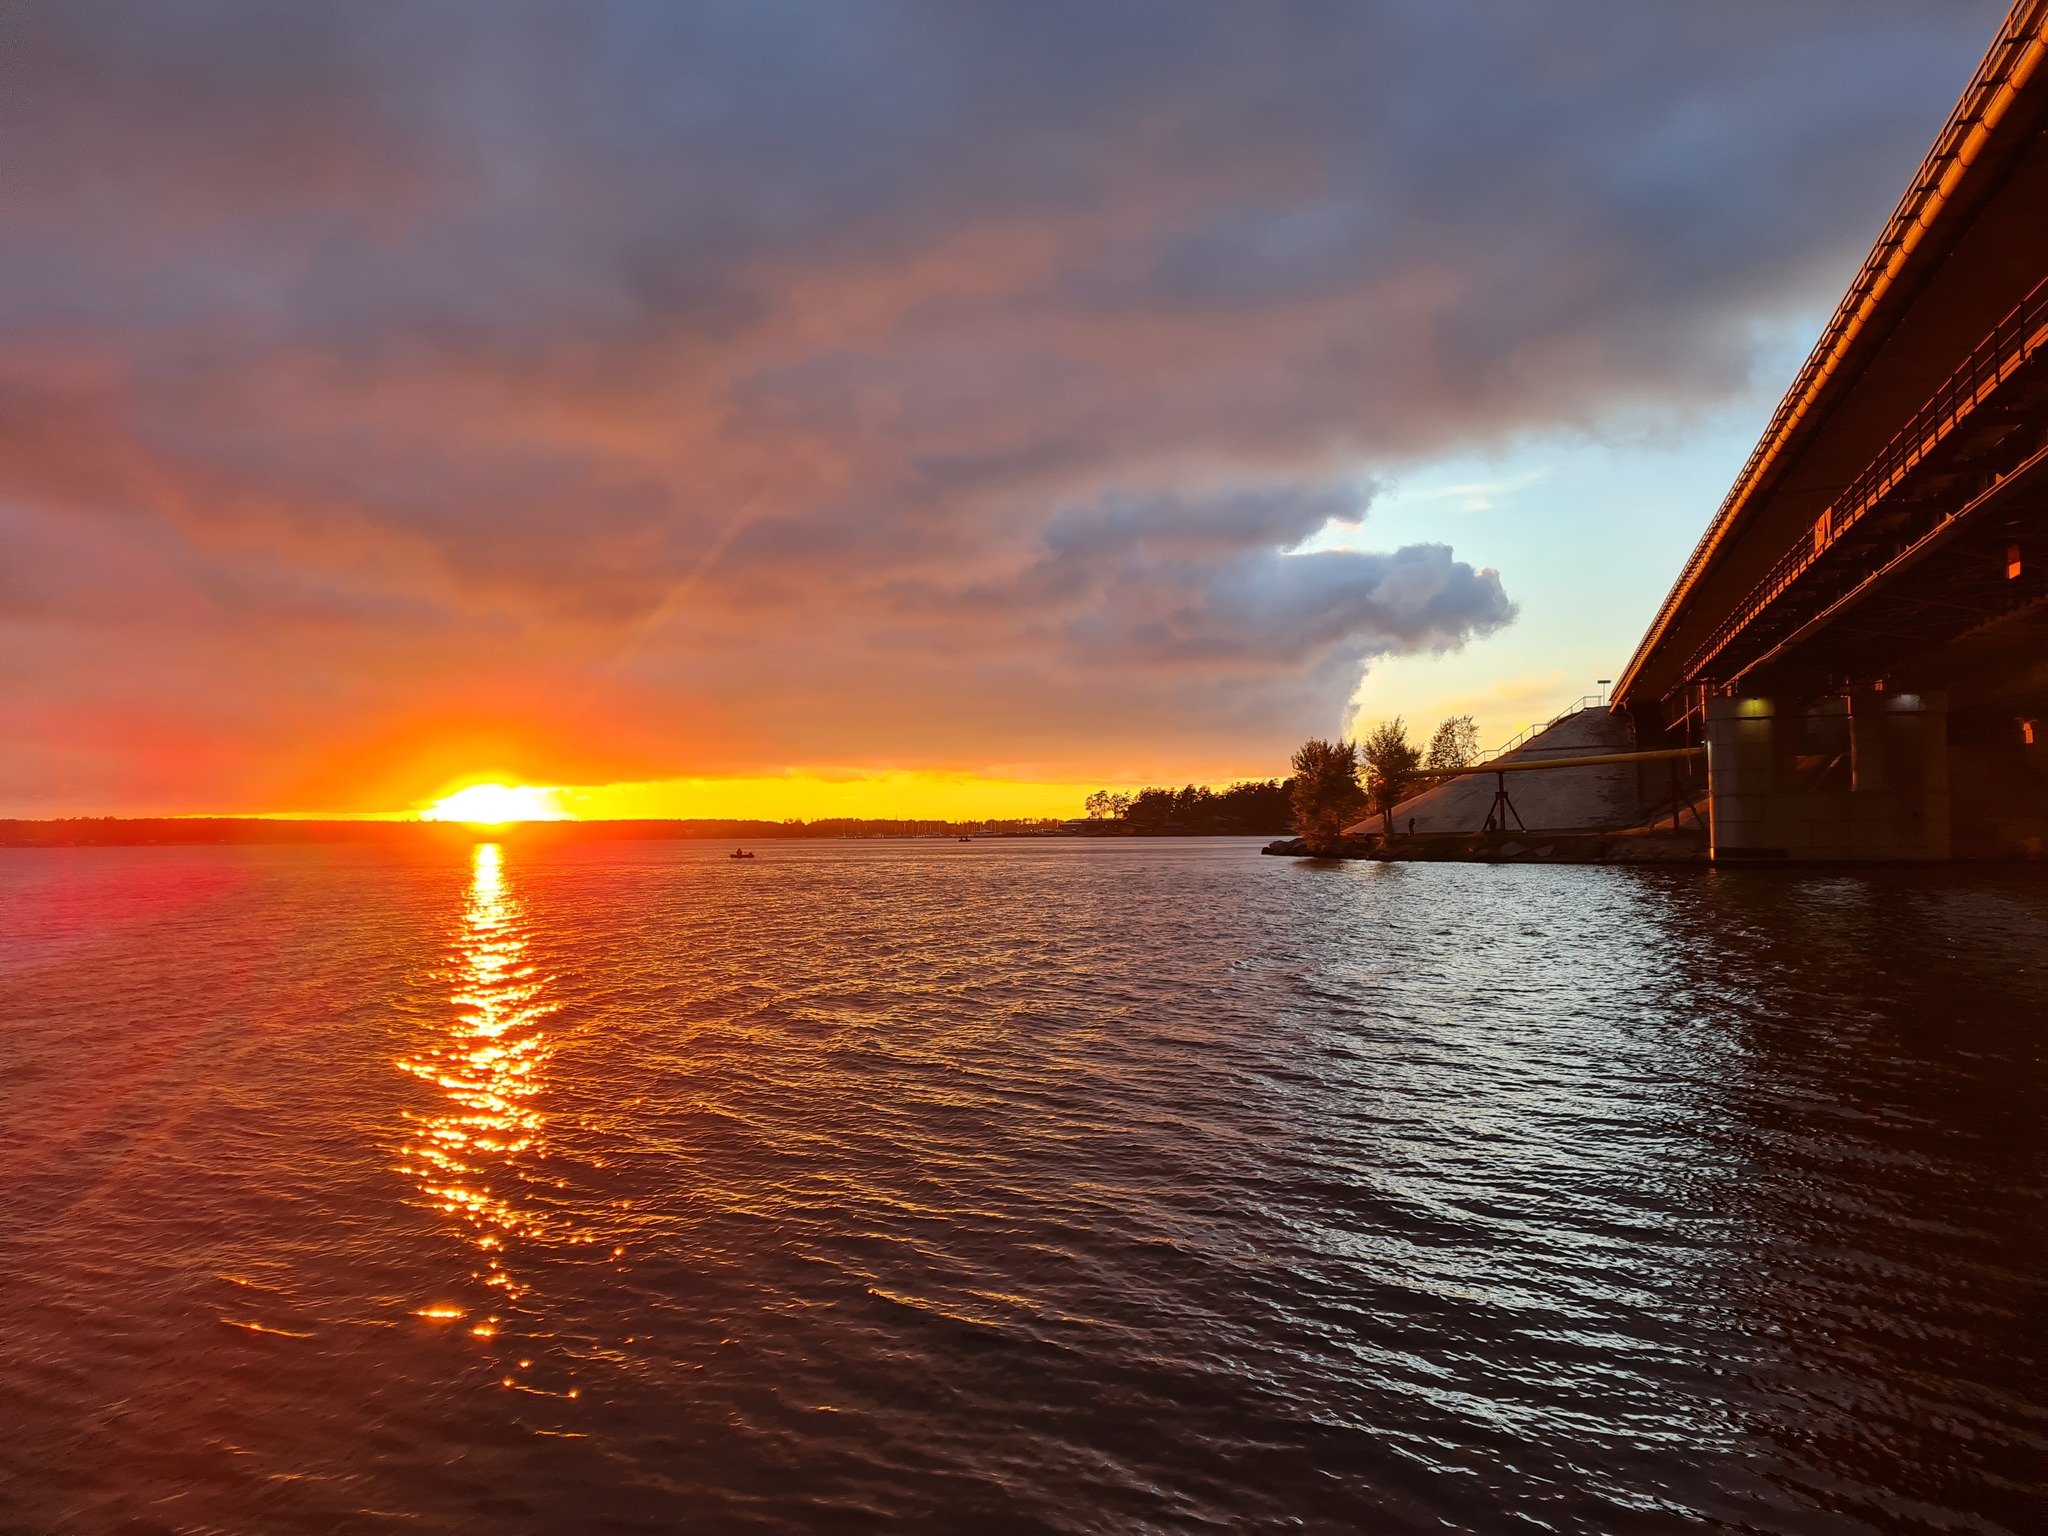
<point>2011,344</point>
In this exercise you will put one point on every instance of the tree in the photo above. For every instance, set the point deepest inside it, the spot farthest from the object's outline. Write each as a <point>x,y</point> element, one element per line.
<point>1254,807</point>
<point>1455,744</point>
<point>1151,807</point>
<point>1390,764</point>
<point>1325,792</point>
<point>1262,806</point>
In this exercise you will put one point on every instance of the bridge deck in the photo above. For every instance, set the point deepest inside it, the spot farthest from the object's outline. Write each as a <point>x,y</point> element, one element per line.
<point>1869,530</point>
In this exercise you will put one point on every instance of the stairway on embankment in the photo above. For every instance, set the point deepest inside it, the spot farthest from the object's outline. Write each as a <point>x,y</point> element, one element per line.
<point>1585,815</point>
<point>1562,800</point>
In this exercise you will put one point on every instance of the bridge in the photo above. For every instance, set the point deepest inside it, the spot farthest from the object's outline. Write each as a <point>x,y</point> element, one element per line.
<point>1860,639</point>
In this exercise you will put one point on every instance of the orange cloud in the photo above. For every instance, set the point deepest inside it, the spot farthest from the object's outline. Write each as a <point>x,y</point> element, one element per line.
<point>390,395</point>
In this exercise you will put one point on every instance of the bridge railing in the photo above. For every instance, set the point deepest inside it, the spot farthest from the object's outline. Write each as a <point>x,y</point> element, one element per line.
<point>2010,346</point>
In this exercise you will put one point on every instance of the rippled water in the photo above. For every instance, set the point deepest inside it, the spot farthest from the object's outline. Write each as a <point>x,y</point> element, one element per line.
<point>1146,1186</point>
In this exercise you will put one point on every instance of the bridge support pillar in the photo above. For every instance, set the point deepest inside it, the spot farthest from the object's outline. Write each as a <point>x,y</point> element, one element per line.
<point>1861,776</point>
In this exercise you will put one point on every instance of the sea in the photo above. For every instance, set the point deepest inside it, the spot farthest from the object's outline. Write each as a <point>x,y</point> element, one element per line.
<point>1016,1186</point>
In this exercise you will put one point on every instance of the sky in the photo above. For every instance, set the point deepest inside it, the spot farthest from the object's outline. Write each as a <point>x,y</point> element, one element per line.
<point>851,408</point>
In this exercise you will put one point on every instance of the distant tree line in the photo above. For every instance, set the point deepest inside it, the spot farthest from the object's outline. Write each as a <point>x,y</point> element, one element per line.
<point>868,826</point>
<point>133,830</point>
<point>1256,807</point>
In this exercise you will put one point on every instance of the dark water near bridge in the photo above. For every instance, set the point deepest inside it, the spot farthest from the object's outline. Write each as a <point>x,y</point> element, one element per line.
<point>1015,1187</point>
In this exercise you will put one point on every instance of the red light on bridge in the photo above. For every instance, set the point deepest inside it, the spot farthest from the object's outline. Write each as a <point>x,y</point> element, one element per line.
<point>2012,562</point>
<point>2026,733</point>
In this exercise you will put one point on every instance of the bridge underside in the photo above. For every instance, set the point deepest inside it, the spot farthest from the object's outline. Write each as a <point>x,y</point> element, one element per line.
<point>1927,579</point>
<point>1968,620</point>
<point>1888,539</point>
<point>1930,575</point>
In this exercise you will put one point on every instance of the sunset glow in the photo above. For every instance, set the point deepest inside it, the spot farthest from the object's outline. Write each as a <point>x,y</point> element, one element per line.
<point>911,491</point>
<point>1172,765</point>
<point>489,1065</point>
<point>1007,442</point>
<point>494,805</point>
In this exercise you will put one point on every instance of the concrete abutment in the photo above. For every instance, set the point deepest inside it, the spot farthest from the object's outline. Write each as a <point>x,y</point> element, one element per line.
<point>1853,777</point>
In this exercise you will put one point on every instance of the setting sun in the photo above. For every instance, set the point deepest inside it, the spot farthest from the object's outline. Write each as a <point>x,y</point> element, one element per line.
<point>493,805</point>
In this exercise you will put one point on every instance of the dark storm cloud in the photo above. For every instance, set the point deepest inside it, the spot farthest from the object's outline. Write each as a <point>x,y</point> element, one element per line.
<point>704,359</point>
<point>1260,517</point>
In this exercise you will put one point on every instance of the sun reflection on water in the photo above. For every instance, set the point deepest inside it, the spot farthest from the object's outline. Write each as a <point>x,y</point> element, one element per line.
<point>489,1066</point>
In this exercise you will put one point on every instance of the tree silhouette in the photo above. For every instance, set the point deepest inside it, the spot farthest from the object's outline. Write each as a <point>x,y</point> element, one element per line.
<point>1106,805</point>
<point>1325,792</point>
<point>1455,744</point>
<point>1390,764</point>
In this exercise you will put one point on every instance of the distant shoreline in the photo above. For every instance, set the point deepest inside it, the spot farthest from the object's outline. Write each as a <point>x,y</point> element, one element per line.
<point>189,831</point>
<point>253,831</point>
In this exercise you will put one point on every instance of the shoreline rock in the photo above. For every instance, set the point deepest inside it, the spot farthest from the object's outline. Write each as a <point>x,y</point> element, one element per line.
<point>1634,845</point>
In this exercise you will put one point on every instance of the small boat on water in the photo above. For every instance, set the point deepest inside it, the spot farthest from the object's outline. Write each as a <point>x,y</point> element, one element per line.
<point>739,853</point>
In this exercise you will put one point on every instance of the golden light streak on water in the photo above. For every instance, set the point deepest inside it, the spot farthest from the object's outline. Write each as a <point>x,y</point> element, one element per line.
<point>489,1065</point>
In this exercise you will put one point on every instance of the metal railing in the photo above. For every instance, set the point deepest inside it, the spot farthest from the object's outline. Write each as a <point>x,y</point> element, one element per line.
<point>2011,58</point>
<point>1527,732</point>
<point>2012,344</point>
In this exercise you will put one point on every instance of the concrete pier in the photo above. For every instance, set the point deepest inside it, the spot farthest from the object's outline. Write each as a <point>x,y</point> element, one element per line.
<point>1857,776</point>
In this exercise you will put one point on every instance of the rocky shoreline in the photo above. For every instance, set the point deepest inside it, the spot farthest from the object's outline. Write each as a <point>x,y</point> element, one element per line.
<point>1631,846</point>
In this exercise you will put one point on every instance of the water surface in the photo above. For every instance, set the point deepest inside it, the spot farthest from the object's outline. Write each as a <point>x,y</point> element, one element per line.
<point>1147,1186</point>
